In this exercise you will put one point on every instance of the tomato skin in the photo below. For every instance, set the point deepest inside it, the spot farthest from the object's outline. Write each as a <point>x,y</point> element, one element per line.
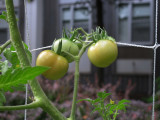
<point>103,53</point>
<point>58,64</point>
<point>67,46</point>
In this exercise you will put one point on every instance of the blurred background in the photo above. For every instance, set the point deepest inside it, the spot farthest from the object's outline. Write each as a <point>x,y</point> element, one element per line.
<point>129,77</point>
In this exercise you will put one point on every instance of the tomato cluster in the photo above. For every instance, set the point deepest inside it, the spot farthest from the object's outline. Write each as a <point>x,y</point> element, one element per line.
<point>101,53</point>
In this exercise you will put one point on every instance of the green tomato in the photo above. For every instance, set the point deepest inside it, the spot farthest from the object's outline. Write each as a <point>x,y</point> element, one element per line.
<point>58,64</point>
<point>67,46</point>
<point>79,44</point>
<point>103,53</point>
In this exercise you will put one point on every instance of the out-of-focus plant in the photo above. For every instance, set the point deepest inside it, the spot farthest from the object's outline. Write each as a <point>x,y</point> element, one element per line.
<point>107,111</point>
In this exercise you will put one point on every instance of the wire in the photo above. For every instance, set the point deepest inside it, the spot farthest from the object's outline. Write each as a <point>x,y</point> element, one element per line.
<point>29,46</point>
<point>154,63</point>
<point>41,48</point>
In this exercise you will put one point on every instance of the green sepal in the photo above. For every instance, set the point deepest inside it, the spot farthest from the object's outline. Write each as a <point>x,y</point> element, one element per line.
<point>59,48</point>
<point>64,34</point>
<point>73,36</point>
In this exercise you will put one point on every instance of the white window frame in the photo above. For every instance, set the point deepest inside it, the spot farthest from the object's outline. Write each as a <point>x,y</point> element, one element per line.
<point>130,5</point>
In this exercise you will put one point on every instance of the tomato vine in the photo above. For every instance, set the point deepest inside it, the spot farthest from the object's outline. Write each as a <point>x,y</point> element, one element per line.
<point>72,47</point>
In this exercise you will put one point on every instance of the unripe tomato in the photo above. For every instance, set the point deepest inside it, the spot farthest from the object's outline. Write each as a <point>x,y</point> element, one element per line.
<point>58,64</point>
<point>68,46</point>
<point>79,44</point>
<point>103,53</point>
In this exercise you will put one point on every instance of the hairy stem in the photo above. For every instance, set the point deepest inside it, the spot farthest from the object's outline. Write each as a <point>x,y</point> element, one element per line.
<point>4,46</point>
<point>20,107</point>
<point>16,39</point>
<point>76,81</point>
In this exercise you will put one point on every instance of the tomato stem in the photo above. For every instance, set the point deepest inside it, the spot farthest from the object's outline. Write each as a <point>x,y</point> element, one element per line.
<point>2,47</point>
<point>16,39</point>
<point>20,107</point>
<point>69,54</point>
<point>76,80</point>
<point>82,30</point>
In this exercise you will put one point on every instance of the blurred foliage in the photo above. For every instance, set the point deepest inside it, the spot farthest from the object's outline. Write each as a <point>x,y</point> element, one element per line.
<point>60,92</point>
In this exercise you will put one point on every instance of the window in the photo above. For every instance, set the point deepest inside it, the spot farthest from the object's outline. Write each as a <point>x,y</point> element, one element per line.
<point>135,21</point>
<point>4,31</point>
<point>74,15</point>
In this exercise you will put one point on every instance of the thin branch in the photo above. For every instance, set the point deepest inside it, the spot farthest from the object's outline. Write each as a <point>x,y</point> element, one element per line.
<point>81,29</point>
<point>79,40</point>
<point>69,54</point>
<point>4,46</point>
<point>20,107</point>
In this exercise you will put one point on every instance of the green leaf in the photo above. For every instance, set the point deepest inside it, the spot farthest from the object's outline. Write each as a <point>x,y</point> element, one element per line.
<point>123,101</point>
<point>87,99</point>
<point>4,66</point>
<point>103,95</point>
<point>13,78</point>
<point>4,16</point>
<point>100,94</point>
<point>96,109</point>
<point>2,98</point>
<point>96,100</point>
<point>11,56</point>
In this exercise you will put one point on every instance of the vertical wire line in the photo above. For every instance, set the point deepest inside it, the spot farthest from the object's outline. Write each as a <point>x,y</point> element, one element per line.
<point>154,62</point>
<point>154,80</point>
<point>29,46</point>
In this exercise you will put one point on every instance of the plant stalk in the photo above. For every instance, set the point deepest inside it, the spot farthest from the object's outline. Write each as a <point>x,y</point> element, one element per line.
<point>4,46</point>
<point>16,39</point>
<point>76,82</point>
<point>20,107</point>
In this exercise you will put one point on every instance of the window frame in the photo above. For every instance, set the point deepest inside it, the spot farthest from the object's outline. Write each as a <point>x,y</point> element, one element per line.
<point>72,7</point>
<point>130,19</point>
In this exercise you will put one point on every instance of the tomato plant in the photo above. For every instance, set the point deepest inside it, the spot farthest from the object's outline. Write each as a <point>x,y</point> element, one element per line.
<point>103,53</point>
<point>67,46</point>
<point>58,64</point>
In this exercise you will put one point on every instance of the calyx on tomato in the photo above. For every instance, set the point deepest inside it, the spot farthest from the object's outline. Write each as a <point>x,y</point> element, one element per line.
<point>104,51</point>
<point>67,46</point>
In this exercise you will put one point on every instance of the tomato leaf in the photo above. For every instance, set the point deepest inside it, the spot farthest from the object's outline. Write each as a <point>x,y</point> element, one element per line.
<point>4,66</point>
<point>4,16</point>
<point>15,77</point>
<point>11,56</point>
